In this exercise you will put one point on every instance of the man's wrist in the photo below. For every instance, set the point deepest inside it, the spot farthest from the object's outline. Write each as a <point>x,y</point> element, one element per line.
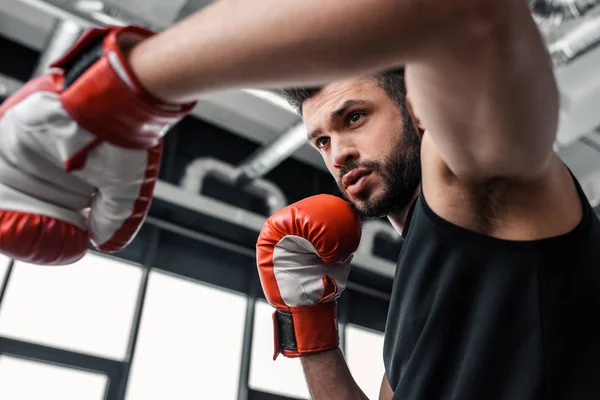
<point>152,77</point>
<point>328,376</point>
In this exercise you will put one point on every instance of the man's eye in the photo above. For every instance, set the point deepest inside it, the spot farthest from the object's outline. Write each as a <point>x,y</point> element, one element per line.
<point>322,142</point>
<point>354,117</point>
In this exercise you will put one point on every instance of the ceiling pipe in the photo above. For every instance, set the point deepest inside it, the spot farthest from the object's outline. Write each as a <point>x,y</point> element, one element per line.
<point>267,157</point>
<point>200,169</point>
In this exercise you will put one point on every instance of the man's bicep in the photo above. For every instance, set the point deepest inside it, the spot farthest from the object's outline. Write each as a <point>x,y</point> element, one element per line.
<point>488,98</point>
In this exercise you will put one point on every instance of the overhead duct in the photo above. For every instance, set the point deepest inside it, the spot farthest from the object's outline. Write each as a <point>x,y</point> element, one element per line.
<point>200,169</point>
<point>269,156</point>
<point>272,154</point>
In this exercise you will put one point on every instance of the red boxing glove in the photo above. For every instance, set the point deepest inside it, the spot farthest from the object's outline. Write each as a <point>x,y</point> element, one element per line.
<point>84,137</point>
<point>303,256</point>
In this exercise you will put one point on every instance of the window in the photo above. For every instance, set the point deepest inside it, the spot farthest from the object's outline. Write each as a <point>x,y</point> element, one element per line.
<point>86,307</point>
<point>25,379</point>
<point>190,342</point>
<point>364,354</point>
<point>283,376</point>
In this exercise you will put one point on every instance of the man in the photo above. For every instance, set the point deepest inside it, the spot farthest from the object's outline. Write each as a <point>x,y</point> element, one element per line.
<point>498,280</point>
<point>490,300</point>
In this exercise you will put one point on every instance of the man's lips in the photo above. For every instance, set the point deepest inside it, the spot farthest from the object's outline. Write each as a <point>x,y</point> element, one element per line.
<point>354,176</point>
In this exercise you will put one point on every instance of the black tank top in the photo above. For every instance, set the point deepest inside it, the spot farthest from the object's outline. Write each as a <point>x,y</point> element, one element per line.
<point>478,318</point>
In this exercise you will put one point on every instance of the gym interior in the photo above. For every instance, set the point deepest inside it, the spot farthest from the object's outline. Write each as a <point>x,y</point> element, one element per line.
<point>180,314</point>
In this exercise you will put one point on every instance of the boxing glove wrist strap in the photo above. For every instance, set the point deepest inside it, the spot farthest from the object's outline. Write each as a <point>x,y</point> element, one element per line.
<point>303,331</point>
<point>78,65</point>
<point>103,95</point>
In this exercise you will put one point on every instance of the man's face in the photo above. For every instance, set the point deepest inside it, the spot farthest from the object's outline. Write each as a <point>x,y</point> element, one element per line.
<point>360,133</point>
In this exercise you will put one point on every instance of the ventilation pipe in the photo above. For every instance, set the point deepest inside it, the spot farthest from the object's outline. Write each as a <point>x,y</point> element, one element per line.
<point>198,170</point>
<point>269,156</point>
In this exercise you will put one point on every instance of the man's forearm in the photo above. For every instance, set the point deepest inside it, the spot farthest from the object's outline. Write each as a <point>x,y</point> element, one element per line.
<point>329,378</point>
<point>261,43</point>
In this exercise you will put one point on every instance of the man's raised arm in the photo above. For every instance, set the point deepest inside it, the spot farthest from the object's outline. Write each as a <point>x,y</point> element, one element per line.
<point>233,43</point>
<point>477,71</point>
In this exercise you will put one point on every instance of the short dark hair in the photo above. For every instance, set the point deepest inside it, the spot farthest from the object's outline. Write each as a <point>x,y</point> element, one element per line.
<point>392,82</point>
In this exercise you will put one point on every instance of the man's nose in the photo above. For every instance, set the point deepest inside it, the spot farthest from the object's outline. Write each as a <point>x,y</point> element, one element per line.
<point>342,153</point>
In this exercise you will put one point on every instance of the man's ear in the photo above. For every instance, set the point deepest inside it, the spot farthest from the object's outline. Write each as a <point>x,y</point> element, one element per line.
<point>418,124</point>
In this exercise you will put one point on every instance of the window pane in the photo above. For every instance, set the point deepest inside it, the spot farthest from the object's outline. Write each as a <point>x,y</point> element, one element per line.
<point>283,376</point>
<point>190,342</point>
<point>86,307</point>
<point>364,354</point>
<point>24,380</point>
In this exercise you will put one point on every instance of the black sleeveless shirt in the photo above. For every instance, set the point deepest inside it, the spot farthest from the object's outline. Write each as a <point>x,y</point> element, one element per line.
<point>478,318</point>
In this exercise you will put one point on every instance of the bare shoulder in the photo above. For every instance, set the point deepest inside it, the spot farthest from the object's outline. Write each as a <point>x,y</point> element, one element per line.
<point>510,209</point>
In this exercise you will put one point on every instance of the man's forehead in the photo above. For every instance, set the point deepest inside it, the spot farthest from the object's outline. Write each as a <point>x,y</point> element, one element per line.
<point>334,94</point>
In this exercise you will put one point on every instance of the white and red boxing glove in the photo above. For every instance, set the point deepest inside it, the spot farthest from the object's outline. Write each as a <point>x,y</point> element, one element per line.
<point>303,256</point>
<point>80,151</point>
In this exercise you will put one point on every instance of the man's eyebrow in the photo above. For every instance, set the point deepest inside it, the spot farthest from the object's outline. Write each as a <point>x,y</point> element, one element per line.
<point>337,114</point>
<point>347,104</point>
<point>313,135</point>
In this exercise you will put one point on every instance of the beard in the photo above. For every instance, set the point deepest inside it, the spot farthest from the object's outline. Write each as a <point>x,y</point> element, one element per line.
<point>401,173</point>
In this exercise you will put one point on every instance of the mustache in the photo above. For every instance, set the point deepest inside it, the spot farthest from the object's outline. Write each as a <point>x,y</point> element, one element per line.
<point>353,164</point>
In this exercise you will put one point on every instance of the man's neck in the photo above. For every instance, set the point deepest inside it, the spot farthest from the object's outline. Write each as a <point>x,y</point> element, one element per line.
<point>399,220</point>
